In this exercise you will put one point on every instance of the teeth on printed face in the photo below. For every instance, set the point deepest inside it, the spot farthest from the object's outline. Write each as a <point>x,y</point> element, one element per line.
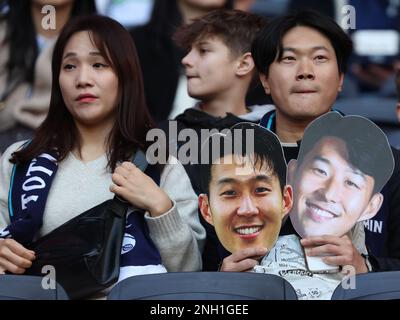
<point>248,230</point>
<point>321,213</point>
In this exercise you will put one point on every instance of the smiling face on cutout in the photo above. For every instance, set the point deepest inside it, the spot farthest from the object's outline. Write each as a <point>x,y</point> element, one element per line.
<point>329,194</point>
<point>247,209</point>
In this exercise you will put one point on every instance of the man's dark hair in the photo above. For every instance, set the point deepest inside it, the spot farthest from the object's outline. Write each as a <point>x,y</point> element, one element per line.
<point>367,146</point>
<point>236,28</point>
<point>267,46</point>
<point>267,151</point>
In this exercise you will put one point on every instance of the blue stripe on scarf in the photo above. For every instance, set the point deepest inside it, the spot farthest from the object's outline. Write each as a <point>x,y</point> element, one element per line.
<point>10,208</point>
<point>29,188</point>
<point>138,248</point>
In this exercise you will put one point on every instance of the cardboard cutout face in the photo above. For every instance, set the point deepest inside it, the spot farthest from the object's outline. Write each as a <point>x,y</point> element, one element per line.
<point>246,201</point>
<point>343,163</point>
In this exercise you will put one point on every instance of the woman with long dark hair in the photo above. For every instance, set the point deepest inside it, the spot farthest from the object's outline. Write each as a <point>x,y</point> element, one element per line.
<point>96,122</point>
<point>27,40</point>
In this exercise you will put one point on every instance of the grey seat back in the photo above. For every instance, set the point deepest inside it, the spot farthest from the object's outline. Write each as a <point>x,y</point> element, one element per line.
<point>204,286</point>
<point>21,287</point>
<point>371,286</point>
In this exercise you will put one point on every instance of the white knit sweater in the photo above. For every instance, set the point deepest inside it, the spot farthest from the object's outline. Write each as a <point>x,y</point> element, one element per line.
<point>79,186</point>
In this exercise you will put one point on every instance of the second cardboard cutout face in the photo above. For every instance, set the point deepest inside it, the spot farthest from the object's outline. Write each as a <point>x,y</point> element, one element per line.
<point>343,164</point>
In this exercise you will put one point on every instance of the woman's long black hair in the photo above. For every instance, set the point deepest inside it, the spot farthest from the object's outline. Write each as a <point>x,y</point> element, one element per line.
<point>59,132</point>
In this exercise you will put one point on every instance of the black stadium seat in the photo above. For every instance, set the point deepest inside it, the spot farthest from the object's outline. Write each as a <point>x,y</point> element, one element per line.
<point>371,286</point>
<point>204,286</point>
<point>21,287</point>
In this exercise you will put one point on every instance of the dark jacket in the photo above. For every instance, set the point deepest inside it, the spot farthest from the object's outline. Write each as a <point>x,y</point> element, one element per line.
<point>382,233</point>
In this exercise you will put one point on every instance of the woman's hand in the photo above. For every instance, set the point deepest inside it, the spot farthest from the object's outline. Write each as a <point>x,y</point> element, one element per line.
<point>139,189</point>
<point>14,257</point>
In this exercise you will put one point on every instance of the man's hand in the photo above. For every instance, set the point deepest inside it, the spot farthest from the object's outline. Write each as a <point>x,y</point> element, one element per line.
<point>14,257</point>
<point>243,260</point>
<point>338,251</point>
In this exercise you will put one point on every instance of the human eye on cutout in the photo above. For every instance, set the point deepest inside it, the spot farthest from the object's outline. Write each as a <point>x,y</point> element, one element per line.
<point>320,168</point>
<point>262,189</point>
<point>228,193</point>
<point>352,184</point>
<point>355,181</point>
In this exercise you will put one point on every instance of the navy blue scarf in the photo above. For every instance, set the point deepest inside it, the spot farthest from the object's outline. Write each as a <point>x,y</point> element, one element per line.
<point>29,188</point>
<point>137,248</point>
